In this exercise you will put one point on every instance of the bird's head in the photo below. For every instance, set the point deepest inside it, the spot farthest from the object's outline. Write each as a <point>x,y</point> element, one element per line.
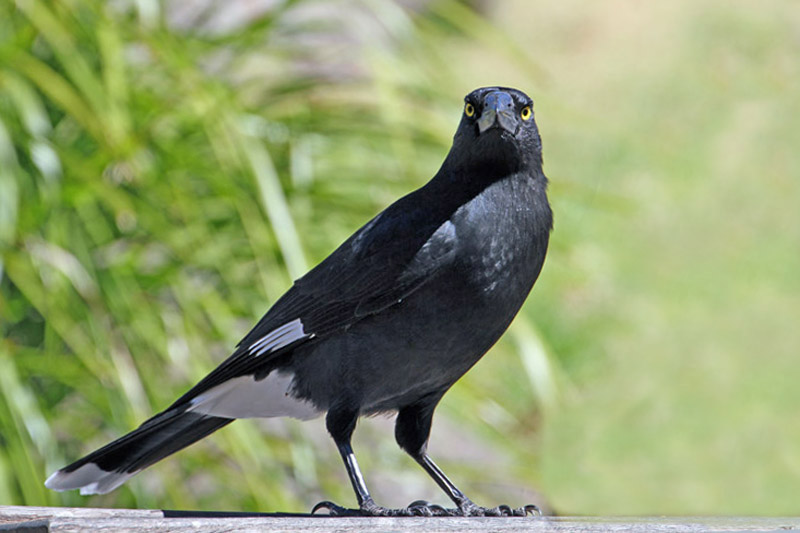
<point>497,127</point>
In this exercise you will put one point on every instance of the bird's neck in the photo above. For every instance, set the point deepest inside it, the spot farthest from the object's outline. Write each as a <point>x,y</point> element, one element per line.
<point>468,177</point>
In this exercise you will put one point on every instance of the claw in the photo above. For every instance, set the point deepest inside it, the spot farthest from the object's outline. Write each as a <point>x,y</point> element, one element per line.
<point>532,509</point>
<point>468,508</point>
<point>420,510</point>
<point>335,510</point>
<point>323,505</point>
<point>425,508</point>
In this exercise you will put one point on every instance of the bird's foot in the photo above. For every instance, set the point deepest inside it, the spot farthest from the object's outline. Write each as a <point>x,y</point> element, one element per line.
<point>468,508</point>
<point>370,508</point>
<point>423,508</point>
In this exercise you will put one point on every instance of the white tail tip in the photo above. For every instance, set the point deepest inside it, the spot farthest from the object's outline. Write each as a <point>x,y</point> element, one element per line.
<point>89,478</point>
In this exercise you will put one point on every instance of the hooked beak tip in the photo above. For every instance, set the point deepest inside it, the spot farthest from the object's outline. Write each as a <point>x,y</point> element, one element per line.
<point>498,113</point>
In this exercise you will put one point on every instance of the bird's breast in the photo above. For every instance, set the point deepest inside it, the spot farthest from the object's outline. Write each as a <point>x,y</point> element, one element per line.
<point>422,344</point>
<point>502,240</point>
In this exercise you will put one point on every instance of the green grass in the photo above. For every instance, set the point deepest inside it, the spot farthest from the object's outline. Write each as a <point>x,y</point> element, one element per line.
<point>160,188</point>
<point>163,188</point>
<point>672,294</point>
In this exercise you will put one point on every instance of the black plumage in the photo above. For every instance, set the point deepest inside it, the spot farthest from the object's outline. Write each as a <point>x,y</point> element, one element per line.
<point>388,322</point>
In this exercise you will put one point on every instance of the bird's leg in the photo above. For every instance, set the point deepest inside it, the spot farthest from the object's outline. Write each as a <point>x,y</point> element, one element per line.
<point>465,506</point>
<point>366,505</point>
<point>411,432</point>
<point>341,423</point>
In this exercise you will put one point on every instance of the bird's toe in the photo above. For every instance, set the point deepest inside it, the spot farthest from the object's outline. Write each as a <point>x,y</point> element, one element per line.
<point>424,508</point>
<point>370,508</point>
<point>505,510</point>
<point>532,510</point>
<point>470,509</point>
<point>335,510</point>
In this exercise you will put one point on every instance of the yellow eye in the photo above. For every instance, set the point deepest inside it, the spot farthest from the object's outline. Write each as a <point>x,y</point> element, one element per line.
<point>469,109</point>
<point>526,113</point>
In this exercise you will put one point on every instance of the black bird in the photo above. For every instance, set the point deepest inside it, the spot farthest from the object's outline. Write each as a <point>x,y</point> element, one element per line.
<point>388,322</point>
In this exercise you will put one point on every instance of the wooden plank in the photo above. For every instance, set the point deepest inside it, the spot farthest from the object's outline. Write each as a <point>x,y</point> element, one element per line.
<point>81,520</point>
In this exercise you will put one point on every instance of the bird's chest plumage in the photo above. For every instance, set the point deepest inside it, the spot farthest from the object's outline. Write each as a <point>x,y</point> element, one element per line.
<point>453,320</point>
<point>426,341</point>
<point>501,234</point>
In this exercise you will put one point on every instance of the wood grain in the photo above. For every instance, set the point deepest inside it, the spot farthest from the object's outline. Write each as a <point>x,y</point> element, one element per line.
<point>69,520</point>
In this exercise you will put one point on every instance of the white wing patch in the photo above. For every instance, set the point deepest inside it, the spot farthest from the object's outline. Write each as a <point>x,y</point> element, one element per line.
<point>278,338</point>
<point>244,397</point>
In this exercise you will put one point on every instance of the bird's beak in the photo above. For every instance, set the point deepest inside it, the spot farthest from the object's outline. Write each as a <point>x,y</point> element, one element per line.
<point>498,111</point>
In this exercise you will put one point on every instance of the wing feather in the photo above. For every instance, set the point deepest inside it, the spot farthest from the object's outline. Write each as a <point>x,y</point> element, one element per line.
<point>380,265</point>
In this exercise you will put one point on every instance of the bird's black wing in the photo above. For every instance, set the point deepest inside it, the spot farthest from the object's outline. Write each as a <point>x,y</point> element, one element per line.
<point>380,265</point>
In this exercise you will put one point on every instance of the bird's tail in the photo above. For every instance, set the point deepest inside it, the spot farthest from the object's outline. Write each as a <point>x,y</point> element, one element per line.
<point>109,467</point>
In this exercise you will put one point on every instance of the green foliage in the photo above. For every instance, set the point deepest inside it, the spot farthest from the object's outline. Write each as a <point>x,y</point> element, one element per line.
<point>672,298</point>
<point>163,181</point>
<point>160,188</point>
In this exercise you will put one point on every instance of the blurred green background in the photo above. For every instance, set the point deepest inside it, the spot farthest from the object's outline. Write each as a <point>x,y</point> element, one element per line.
<point>166,170</point>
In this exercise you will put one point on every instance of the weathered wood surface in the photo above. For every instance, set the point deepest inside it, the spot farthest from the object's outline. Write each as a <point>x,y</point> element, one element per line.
<point>69,520</point>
